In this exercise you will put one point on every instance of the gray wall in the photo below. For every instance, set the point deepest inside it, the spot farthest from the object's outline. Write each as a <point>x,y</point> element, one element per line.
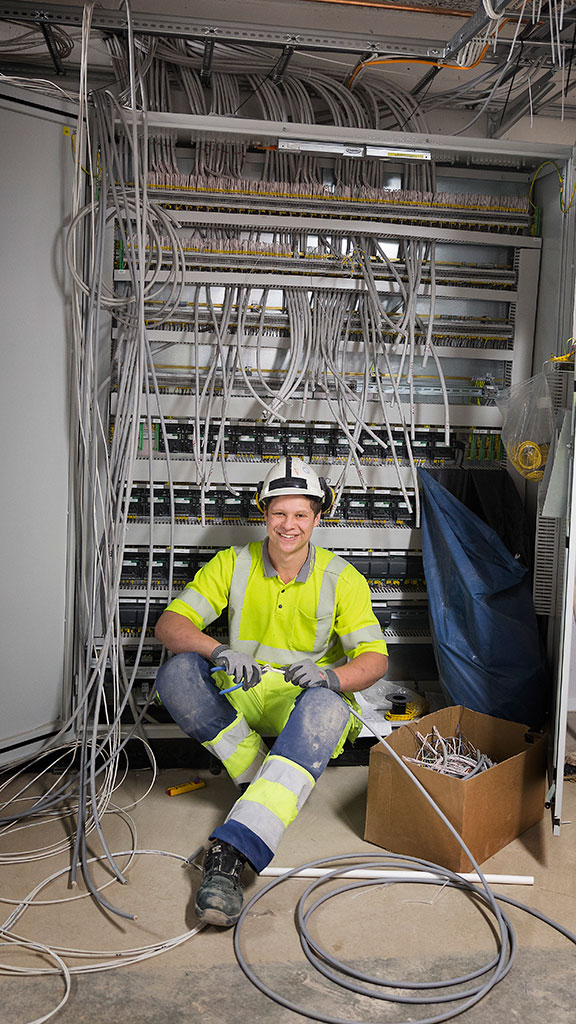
<point>36,167</point>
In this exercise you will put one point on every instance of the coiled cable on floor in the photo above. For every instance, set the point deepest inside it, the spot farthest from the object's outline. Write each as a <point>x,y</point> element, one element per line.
<point>465,990</point>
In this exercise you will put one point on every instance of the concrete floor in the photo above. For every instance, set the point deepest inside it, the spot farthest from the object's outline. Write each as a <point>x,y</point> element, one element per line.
<point>401,931</point>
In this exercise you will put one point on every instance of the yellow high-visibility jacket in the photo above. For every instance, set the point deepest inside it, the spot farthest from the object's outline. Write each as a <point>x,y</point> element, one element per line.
<point>325,613</point>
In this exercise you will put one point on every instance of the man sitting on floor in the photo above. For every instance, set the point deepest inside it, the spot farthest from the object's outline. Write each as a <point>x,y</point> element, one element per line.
<point>302,638</point>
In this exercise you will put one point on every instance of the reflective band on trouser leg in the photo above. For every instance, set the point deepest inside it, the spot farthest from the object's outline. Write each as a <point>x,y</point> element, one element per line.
<point>240,749</point>
<point>251,772</point>
<point>259,819</point>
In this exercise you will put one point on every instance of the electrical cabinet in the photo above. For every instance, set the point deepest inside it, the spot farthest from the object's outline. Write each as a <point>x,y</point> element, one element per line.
<point>256,264</point>
<point>368,331</point>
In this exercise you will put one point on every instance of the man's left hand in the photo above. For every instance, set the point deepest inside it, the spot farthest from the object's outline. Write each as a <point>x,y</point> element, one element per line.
<point>307,673</point>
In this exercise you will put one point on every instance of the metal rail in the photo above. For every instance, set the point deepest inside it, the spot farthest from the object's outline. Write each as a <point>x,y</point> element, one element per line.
<point>221,31</point>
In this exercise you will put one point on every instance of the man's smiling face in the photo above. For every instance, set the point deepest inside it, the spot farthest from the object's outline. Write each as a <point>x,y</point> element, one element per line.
<point>290,520</point>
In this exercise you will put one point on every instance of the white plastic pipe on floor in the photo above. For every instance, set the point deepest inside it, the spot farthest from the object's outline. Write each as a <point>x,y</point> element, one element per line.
<point>406,876</point>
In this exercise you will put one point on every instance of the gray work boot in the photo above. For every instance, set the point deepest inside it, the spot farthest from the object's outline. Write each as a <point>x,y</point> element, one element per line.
<point>219,898</point>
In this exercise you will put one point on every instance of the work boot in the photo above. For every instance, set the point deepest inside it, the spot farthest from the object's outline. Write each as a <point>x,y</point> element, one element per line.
<point>219,898</point>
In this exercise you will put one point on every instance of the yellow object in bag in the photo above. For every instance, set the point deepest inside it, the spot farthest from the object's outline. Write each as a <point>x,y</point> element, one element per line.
<point>528,425</point>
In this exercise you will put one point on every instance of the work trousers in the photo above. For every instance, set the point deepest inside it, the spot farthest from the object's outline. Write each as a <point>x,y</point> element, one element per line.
<point>310,726</point>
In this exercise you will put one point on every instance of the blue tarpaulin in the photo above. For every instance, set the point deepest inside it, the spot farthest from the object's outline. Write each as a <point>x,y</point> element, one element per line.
<point>484,627</point>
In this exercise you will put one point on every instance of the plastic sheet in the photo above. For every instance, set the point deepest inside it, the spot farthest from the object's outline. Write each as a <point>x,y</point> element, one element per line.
<point>484,627</point>
<point>528,425</point>
<point>492,496</point>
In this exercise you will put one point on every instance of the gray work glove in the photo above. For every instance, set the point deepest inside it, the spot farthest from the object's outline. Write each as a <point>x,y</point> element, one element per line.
<point>241,667</point>
<point>307,673</point>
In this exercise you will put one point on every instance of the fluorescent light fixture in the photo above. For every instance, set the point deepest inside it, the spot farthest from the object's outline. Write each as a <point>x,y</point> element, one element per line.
<point>398,154</point>
<point>306,146</point>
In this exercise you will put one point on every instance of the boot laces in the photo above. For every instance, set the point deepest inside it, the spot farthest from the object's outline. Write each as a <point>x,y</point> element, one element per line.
<point>223,859</point>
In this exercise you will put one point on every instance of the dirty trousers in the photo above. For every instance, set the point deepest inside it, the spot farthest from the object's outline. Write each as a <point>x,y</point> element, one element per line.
<point>310,726</point>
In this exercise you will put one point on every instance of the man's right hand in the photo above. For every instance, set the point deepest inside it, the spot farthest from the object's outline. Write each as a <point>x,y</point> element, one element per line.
<point>241,667</point>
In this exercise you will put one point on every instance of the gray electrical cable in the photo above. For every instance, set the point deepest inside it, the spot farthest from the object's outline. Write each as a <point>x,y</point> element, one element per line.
<point>338,972</point>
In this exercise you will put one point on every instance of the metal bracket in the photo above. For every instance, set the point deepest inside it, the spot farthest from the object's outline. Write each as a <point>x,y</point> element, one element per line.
<point>473,26</point>
<point>258,34</point>
<point>531,98</point>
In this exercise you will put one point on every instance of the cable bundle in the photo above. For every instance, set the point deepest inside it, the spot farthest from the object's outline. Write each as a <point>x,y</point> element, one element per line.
<point>450,755</point>
<point>103,474</point>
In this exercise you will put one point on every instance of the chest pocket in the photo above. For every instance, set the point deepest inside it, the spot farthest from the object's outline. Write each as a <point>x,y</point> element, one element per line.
<point>311,633</point>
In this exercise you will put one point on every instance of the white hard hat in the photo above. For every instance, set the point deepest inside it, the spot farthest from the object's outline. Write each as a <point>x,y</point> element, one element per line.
<point>293,476</point>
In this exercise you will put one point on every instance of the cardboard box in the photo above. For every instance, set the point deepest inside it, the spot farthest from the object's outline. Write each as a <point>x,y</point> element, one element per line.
<point>488,811</point>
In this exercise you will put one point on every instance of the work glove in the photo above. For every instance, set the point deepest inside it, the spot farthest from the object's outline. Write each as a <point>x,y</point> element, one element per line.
<point>241,667</point>
<point>307,673</point>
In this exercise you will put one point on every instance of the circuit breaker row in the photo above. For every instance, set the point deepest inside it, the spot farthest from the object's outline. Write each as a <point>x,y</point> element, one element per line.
<point>219,505</point>
<point>319,443</point>
<point>402,569</point>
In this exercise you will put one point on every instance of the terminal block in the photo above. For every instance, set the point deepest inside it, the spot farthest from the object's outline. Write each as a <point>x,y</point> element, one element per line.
<point>320,443</point>
<point>355,506</point>
<point>404,620</point>
<point>380,568</point>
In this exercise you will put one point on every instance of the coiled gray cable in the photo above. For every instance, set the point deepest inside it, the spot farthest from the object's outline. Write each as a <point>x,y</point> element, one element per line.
<point>342,974</point>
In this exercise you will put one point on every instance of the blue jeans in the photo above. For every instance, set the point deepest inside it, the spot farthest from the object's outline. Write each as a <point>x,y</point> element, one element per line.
<point>310,726</point>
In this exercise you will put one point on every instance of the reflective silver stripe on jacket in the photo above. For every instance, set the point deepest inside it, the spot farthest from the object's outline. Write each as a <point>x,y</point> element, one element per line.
<point>366,635</point>
<point>326,605</point>
<point>229,741</point>
<point>199,603</point>
<point>324,615</point>
<point>238,587</point>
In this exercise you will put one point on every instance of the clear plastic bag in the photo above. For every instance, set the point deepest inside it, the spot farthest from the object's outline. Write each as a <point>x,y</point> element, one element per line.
<point>528,425</point>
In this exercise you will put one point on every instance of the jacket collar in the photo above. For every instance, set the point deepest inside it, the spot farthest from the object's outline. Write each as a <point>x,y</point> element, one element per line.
<point>303,573</point>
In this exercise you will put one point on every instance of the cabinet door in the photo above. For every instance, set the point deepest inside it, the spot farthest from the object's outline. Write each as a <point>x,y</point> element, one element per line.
<point>36,164</point>
<point>567,643</point>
